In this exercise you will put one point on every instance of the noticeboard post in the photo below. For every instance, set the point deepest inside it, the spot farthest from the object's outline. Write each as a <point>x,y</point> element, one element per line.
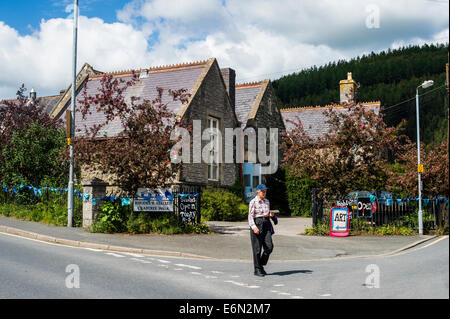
<point>339,222</point>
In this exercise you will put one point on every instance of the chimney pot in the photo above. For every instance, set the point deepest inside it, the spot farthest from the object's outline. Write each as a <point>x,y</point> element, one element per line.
<point>32,95</point>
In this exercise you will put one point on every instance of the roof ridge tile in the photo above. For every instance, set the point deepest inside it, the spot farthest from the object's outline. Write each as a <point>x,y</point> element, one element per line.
<point>166,67</point>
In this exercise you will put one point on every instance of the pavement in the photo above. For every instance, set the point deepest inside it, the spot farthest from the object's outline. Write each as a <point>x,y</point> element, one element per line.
<point>229,241</point>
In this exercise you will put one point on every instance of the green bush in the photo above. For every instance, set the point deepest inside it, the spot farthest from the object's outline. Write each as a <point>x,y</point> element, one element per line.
<point>360,226</point>
<point>34,158</point>
<point>218,204</point>
<point>115,218</point>
<point>299,192</point>
<point>111,219</point>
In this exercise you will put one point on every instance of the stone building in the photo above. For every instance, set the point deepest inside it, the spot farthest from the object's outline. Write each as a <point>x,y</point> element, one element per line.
<point>209,102</point>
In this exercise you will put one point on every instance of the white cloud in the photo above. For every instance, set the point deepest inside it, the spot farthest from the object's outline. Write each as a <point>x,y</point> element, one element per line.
<point>44,60</point>
<point>258,38</point>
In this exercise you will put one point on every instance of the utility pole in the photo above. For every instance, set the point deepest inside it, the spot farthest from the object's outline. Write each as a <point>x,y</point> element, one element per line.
<point>70,200</point>
<point>448,113</point>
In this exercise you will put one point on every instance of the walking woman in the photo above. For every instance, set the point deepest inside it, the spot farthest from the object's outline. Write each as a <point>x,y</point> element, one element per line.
<point>261,229</point>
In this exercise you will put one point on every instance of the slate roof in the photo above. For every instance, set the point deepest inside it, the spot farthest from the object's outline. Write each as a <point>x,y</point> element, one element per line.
<point>313,118</point>
<point>48,102</point>
<point>246,94</point>
<point>173,77</point>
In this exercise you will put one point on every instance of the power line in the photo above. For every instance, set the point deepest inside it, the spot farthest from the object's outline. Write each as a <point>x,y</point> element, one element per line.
<point>413,98</point>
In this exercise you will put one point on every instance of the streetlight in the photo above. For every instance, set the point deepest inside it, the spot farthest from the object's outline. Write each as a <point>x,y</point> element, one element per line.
<point>424,85</point>
<point>70,200</point>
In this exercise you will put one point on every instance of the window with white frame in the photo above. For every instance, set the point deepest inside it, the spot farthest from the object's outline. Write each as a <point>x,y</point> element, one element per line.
<point>213,165</point>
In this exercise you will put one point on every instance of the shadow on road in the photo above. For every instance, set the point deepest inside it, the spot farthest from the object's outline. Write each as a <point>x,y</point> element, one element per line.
<point>290,272</point>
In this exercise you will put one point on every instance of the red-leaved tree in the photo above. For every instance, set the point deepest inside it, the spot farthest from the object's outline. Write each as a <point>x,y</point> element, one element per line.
<point>435,174</point>
<point>138,155</point>
<point>353,155</point>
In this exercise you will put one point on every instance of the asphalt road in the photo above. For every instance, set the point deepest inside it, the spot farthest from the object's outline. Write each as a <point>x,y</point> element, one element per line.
<point>33,269</point>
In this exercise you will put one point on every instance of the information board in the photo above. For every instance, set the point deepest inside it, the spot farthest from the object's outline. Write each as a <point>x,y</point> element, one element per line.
<point>143,205</point>
<point>339,222</point>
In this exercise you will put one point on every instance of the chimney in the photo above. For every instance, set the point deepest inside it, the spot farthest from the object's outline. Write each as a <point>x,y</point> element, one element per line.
<point>32,95</point>
<point>347,90</point>
<point>229,77</point>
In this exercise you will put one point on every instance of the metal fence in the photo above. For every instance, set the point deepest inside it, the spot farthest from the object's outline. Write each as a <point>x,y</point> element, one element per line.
<point>379,212</point>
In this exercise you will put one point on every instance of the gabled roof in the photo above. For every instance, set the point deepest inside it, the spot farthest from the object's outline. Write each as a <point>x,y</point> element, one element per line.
<point>248,99</point>
<point>187,76</point>
<point>314,120</point>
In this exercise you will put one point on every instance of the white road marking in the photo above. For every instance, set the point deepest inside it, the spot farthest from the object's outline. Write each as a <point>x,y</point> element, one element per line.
<point>278,285</point>
<point>299,289</point>
<point>274,291</point>
<point>163,261</point>
<point>188,266</point>
<point>115,255</point>
<point>253,287</point>
<point>92,249</point>
<point>325,295</point>
<point>210,277</point>
<point>234,276</point>
<point>236,283</point>
<point>297,297</point>
<point>195,273</point>
<point>178,269</point>
<point>284,293</point>
<point>216,272</point>
<point>165,266</point>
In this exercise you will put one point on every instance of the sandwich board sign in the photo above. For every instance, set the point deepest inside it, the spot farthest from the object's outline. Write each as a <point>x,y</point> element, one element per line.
<point>339,222</point>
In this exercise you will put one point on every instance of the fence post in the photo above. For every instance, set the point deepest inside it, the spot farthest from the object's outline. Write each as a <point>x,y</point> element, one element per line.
<point>96,188</point>
<point>314,206</point>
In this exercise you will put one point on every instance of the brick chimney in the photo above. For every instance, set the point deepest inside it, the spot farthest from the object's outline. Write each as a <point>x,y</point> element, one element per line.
<point>229,77</point>
<point>347,90</point>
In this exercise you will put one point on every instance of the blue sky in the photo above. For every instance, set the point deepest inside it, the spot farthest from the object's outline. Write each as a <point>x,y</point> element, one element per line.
<point>258,38</point>
<point>26,15</point>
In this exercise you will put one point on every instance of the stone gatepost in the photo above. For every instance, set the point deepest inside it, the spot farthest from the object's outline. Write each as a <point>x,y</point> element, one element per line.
<point>96,188</point>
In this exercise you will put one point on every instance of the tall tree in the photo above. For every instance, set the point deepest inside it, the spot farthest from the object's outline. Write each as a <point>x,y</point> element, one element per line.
<point>17,116</point>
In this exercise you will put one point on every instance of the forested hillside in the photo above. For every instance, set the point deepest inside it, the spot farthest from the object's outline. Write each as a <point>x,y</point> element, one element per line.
<point>389,76</point>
